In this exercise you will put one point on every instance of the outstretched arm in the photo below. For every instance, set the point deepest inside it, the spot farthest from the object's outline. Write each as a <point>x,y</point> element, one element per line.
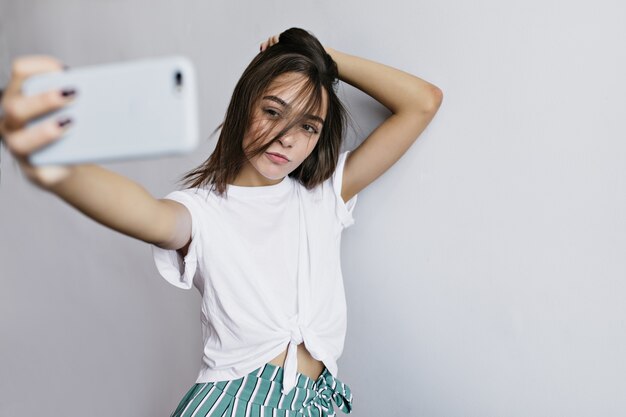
<point>413,103</point>
<point>109,198</point>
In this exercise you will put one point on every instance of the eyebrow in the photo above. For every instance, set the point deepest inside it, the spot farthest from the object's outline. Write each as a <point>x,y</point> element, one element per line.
<point>287,105</point>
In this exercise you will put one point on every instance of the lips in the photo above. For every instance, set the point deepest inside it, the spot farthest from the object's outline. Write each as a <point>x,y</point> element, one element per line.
<point>279,155</point>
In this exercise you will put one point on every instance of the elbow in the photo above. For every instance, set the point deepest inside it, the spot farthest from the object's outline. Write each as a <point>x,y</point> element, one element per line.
<point>435,99</point>
<point>425,100</point>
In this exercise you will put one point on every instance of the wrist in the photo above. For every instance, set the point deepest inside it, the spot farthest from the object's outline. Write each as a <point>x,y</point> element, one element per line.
<point>55,178</point>
<point>336,57</point>
<point>334,54</point>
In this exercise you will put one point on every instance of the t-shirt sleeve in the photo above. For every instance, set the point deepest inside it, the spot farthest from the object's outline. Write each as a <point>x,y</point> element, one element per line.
<point>176,270</point>
<point>343,209</point>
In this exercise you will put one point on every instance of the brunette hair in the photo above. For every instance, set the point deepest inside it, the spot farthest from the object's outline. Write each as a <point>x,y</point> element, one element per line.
<point>296,51</point>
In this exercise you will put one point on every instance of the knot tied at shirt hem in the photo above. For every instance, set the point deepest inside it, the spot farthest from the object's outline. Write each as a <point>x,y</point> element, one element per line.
<point>291,361</point>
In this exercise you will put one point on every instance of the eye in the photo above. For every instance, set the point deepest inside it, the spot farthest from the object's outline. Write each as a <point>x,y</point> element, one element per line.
<point>271,112</point>
<point>310,129</point>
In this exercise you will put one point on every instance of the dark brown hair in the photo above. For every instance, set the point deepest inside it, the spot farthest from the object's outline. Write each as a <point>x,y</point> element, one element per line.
<point>300,52</point>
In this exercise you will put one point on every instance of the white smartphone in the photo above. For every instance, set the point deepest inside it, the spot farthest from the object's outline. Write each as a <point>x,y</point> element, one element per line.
<point>129,110</point>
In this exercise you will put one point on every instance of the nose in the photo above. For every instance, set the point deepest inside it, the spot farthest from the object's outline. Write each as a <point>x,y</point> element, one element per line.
<point>287,139</point>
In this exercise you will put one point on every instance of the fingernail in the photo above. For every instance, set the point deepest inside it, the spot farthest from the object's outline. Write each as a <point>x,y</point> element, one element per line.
<point>64,121</point>
<point>68,92</point>
<point>65,67</point>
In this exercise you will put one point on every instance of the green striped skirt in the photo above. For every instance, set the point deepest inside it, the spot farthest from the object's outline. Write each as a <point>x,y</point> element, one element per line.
<point>259,394</point>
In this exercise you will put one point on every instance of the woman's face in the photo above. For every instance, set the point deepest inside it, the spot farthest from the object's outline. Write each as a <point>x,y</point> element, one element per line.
<point>270,115</point>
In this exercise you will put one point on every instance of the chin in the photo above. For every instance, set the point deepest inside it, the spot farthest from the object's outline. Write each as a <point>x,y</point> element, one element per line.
<point>271,172</point>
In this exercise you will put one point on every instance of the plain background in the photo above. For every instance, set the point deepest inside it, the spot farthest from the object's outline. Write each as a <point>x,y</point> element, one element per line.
<point>485,273</point>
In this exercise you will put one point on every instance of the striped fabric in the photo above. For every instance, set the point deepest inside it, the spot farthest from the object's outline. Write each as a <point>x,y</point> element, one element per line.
<point>258,394</point>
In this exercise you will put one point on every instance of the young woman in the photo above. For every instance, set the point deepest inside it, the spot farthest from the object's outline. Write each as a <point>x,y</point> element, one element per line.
<point>257,230</point>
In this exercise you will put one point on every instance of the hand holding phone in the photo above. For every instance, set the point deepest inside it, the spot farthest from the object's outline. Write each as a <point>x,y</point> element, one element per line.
<point>17,110</point>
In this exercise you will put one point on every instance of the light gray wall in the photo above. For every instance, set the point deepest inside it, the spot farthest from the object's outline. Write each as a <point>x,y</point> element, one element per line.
<point>485,273</point>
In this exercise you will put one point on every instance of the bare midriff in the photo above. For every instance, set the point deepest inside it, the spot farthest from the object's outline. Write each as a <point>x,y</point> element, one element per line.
<point>307,365</point>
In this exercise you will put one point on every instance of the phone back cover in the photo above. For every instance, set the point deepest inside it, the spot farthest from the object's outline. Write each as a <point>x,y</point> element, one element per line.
<point>122,111</point>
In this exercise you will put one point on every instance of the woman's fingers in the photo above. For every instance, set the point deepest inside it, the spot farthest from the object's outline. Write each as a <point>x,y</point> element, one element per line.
<point>25,66</point>
<point>23,142</point>
<point>15,110</point>
<point>265,45</point>
<point>19,109</point>
<point>272,40</point>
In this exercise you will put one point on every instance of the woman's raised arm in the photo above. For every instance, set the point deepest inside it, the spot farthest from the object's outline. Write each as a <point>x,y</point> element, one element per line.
<point>413,103</point>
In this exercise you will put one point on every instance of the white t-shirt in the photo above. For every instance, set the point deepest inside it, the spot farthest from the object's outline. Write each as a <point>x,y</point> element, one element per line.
<point>266,262</point>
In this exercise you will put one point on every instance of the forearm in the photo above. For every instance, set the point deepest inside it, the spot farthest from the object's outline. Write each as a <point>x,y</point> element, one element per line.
<point>113,201</point>
<point>393,88</point>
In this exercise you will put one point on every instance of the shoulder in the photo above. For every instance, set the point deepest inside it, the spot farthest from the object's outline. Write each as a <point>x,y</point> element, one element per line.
<point>189,194</point>
<point>330,191</point>
<point>338,177</point>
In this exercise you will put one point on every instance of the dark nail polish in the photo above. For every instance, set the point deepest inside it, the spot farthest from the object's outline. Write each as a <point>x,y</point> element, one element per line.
<point>68,92</point>
<point>64,122</point>
<point>65,67</point>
